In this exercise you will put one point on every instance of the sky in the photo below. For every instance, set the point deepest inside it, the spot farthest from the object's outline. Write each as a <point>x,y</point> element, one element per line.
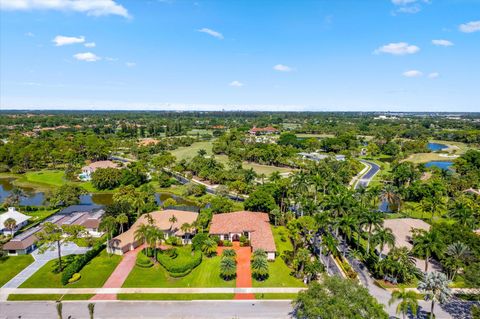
<point>298,55</point>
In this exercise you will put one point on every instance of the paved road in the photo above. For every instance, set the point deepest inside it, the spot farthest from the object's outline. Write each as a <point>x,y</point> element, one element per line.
<point>367,177</point>
<point>151,309</point>
<point>40,261</point>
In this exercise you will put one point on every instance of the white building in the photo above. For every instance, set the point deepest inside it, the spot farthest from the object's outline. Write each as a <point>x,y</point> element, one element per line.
<point>20,219</point>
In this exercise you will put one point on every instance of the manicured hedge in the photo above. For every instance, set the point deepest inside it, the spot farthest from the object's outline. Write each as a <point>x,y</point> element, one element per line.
<point>182,263</point>
<point>76,276</point>
<point>80,262</point>
<point>143,261</point>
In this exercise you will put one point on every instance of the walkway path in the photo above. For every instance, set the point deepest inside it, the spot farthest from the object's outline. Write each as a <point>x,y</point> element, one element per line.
<point>40,261</point>
<point>244,274</point>
<point>120,274</point>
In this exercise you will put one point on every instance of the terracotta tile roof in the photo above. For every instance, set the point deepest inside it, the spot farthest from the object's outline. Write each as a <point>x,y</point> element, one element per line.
<point>100,164</point>
<point>237,222</point>
<point>161,221</point>
<point>263,129</point>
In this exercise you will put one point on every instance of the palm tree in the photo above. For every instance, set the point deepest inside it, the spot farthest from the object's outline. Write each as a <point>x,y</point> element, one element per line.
<point>91,309</point>
<point>259,267</point>
<point>426,243</point>
<point>458,253</point>
<point>122,219</point>
<point>373,220</point>
<point>141,233</point>
<point>154,235</point>
<point>108,225</point>
<point>275,177</point>
<point>209,247</point>
<point>138,203</point>
<point>463,215</point>
<point>391,196</point>
<point>259,253</point>
<point>229,253</point>
<point>433,204</point>
<point>10,224</point>
<point>435,287</point>
<point>228,268</point>
<point>59,307</point>
<point>172,221</point>
<point>202,152</point>
<point>408,301</point>
<point>262,177</point>
<point>329,244</point>
<point>347,225</point>
<point>16,195</point>
<point>383,237</point>
<point>186,228</point>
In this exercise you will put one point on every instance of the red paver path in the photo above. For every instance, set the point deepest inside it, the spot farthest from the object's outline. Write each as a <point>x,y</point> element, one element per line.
<point>244,274</point>
<point>120,274</point>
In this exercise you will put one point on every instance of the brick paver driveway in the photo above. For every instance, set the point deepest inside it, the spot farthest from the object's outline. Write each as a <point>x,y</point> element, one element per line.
<point>244,274</point>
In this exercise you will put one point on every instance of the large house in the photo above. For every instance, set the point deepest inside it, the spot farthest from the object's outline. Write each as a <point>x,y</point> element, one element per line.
<point>263,130</point>
<point>88,170</point>
<point>162,220</point>
<point>88,216</point>
<point>20,219</point>
<point>255,226</point>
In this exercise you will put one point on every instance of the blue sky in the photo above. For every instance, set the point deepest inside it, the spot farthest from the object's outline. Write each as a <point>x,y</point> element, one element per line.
<point>391,55</point>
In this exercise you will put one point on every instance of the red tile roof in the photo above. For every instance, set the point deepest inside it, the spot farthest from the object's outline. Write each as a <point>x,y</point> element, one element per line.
<point>263,129</point>
<point>257,224</point>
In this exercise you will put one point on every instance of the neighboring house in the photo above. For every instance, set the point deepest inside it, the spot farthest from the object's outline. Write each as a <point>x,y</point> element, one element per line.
<point>88,216</point>
<point>88,170</point>
<point>255,226</point>
<point>402,230</point>
<point>263,130</point>
<point>161,219</point>
<point>317,156</point>
<point>20,219</point>
<point>23,243</point>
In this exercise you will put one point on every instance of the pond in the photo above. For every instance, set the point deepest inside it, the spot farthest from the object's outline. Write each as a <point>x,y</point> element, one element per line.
<point>434,147</point>
<point>440,164</point>
<point>33,198</point>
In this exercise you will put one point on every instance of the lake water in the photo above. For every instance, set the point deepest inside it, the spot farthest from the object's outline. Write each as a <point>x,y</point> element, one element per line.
<point>434,147</point>
<point>440,164</point>
<point>37,198</point>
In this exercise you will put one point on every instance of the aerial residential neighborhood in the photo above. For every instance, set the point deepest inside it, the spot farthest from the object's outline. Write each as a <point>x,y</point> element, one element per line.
<point>217,159</point>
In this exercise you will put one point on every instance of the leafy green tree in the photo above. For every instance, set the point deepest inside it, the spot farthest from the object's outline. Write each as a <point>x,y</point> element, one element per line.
<point>435,288</point>
<point>220,204</point>
<point>106,178</point>
<point>10,224</point>
<point>384,237</point>
<point>335,298</point>
<point>66,195</point>
<point>427,243</point>
<point>54,236</point>
<point>260,201</point>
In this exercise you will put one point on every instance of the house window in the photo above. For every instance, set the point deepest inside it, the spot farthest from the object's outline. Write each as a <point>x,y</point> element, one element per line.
<point>226,237</point>
<point>246,233</point>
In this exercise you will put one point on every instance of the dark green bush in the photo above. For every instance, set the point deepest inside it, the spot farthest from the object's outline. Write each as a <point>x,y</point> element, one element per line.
<point>143,261</point>
<point>183,262</point>
<point>80,262</point>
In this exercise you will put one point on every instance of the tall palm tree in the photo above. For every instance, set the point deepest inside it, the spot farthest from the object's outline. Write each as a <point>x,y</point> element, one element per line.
<point>435,287</point>
<point>329,245</point>
<point>347,225</point>
<point>108,225</point>
<point>384,237</point>
<point>141,233</point>
<point>458,253</point>
<point>408,301</point>
<point>228,268</point>
<point>372,220</point>
<point>391,195</point>
<point>464,215</point>
<point>172,221</point>
<point>186,228</point>
<point>10,224</point>
<point>275,177</point>
<point>16,195</point>
<point>138,203</point>
<point>426,243</point>
<point>209,247</point>
<point>259,267</point>
<point>154,236</point>
<point>122,219</point>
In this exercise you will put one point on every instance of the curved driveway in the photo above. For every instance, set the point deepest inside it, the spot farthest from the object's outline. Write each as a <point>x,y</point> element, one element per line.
<point>368,176</point>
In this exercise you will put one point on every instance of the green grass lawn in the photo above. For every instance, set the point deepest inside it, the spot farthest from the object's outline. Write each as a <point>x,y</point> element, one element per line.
<point>175,296</point>
<point>10,266</point>
<point>30,297</point>
<point>48,179</point>
<point>258,168</point>
<point>207,274</point>
<point>279,273</point>
<point>271,296</point>
<point>190,151</point>
<point>94,274</point>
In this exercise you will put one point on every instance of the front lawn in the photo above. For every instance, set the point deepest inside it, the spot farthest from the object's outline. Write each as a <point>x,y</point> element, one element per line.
<point>279,272</point>
<point>207,274</point>
<point>52,178</point>
<point>279,296</point>
<point>94,274</point>
<point>29,297</point>
<point>10,266</point>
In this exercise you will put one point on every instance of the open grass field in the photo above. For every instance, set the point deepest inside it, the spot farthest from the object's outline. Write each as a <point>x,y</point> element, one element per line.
<point>47,180</point>
<point>419,158</point>
<point>192,150</point>
<point>175,296</point>
<point>10,266</point>
<point>94,274</point>
<point>207,274</point>
<point>303,135</point>
<point>28,297</point>
<point>279,273</point>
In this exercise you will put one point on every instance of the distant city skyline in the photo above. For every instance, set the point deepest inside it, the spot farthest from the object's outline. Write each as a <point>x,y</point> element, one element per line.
<point>347,55</point>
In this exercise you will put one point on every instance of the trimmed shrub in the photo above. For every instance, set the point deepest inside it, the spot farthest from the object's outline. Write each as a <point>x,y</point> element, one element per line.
<point>183,262</point>
<point>198,239</point>
<point>229,253</point>
<point>228,268</point>
<point>79,263</point>
<point>227,243</point>
<point>143,261</point>
<point>75,277</point>
<point>244,242</point>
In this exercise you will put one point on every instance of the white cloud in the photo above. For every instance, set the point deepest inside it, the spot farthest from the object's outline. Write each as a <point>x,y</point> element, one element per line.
<point>403,2</point>
<point>60,40</point>
<point>400,48</point>
<point>211,32</point>
<point>282,68</point>
<point>470,27</point>
<point>236,84</point>
<point>86,56</point>
<point>412,74</point>
<point>433,75</point>
<point>90,7</point>
<point>90,44</point>
<point>442,43</point>
<point>130,64</point>
<point>29,34</point>
<point>409,6</point>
